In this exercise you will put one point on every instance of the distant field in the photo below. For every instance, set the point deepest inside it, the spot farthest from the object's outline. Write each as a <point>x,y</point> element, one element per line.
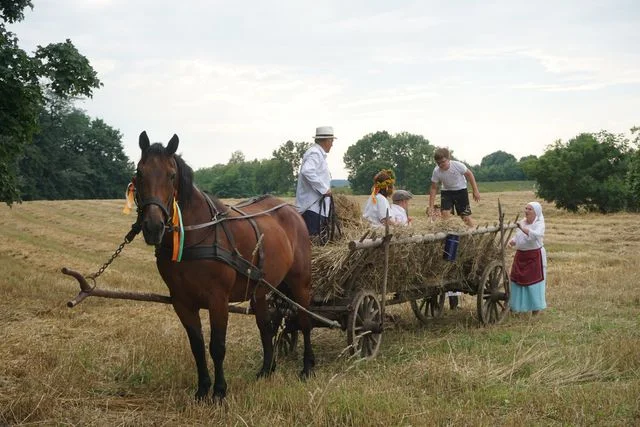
<point>484,187</point>
<point>113,362</point>
<point>496,186</point>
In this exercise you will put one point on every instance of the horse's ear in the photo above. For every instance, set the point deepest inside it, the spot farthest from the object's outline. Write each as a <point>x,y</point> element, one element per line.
<point>143,141</point>
<point>172,146</point>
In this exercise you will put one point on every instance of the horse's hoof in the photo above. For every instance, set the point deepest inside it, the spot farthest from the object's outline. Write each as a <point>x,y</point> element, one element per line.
<point>305,374</point>
<point>219,401</point>
<point>201,395</point>
<point>203,391</point>
<point>263,374</point>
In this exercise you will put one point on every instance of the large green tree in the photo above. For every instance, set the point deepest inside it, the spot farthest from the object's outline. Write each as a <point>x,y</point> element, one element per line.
<point>633,175</point>
<point>410,156</point>
<point>290,154</point>
<point>57,68</point>
<point>73,157</point>
<point>588,172</point>
<point>499,166</point>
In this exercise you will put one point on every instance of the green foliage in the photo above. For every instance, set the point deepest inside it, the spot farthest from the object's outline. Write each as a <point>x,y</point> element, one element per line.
<point>239,179</point>
<point>589,172</point>
<point>410,156</point>
<point>499,166</point>
<point>497,158</point>
<point>13,10</point>
<point>633,174</point>
<point>362,180</point>
<point>73,157</point>
<point>528,165</point>
<point>58,68</point>
<point>290,153</point>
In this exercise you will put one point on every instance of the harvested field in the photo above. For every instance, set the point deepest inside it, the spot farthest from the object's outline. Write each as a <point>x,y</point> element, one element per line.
<point>112,362</point>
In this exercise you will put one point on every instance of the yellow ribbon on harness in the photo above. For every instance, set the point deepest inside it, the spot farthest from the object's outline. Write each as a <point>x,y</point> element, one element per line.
<point>129,199</point>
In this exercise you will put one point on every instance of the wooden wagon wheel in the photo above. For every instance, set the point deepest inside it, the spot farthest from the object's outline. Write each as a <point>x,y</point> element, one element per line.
<point>428,308</point>
<point>493,294</point>
<point>364,326</point>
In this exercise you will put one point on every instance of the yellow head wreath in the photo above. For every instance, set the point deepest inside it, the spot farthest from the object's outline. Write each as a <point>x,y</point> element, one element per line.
<point>383,180</point>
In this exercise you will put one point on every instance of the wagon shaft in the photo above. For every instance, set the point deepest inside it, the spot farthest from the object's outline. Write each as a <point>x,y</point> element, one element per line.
<point>87,291</point>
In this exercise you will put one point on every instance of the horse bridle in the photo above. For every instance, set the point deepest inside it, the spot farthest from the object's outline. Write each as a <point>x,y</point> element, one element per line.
<point>142,203</point>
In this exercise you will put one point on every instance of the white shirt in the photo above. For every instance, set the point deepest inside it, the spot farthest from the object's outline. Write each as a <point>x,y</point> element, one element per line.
<point>535,239</point>
<point>451,179</point>
<point>376,212</point>
<point>314,180</point>
<point>398,215</point>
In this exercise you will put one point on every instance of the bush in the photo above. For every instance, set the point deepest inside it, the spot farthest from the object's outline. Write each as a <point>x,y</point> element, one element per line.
<point>589,172</point>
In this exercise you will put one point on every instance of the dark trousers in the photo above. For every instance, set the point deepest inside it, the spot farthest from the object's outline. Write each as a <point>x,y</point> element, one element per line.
<point>314,222</point>
<point>453,302</point>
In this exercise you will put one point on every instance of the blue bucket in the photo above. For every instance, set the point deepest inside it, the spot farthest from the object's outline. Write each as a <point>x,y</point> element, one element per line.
<point>451,247</point>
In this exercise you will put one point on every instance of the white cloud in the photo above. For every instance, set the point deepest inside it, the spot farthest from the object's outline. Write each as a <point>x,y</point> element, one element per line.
<point>249,76</point>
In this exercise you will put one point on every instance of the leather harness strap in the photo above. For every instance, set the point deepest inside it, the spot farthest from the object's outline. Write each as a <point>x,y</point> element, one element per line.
<point>216,252</point>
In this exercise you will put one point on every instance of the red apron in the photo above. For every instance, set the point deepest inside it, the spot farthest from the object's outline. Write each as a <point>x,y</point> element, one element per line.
<point>527,267</point>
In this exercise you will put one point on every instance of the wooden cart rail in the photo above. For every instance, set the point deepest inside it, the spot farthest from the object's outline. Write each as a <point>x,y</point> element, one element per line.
<point>422,238</point>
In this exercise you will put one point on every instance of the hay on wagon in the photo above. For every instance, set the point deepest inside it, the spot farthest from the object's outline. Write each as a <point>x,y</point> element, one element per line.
<point>412,265</point>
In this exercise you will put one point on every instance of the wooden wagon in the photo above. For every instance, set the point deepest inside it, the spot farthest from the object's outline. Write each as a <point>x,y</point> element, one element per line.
<point>357,301</point>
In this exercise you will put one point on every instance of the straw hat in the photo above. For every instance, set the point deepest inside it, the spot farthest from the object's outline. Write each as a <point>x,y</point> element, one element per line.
<point>324,132</point>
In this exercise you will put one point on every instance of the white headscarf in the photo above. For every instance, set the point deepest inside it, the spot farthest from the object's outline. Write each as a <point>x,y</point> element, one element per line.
<point>538,222</point>
<point>536,230</point>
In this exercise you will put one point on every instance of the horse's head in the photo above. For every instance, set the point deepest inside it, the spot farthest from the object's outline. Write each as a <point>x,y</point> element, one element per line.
<point>156,185</point>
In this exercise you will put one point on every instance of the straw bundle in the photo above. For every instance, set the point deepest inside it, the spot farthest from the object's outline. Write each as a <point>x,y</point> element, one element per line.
<point>348,211</point>
<point>337,271</point>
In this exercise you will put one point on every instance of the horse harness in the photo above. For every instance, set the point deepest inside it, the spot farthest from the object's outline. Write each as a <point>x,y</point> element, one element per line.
<point>215,251</point>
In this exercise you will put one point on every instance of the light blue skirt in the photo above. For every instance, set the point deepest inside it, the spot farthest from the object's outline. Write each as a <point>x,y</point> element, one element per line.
<point>528,298</point>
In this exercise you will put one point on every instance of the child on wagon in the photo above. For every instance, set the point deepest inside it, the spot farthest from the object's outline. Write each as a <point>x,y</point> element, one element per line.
<point>454,196</point>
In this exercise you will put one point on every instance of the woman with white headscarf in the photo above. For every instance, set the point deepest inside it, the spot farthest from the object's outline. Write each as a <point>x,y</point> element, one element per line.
<point>529,269</point>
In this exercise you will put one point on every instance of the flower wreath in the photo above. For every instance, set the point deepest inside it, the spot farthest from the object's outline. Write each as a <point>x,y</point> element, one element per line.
<point>387,183</point>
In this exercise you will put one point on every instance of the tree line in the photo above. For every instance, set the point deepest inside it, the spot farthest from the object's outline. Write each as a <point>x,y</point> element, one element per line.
<point>51,150</point>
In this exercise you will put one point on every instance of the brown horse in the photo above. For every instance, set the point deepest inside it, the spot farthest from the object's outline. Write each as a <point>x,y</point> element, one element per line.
<point>220,263</point>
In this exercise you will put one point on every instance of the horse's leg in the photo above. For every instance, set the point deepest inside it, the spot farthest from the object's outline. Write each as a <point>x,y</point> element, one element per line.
<point>267,333</point>
<point>302,295</point>
<point>219,319</point>
<point>308,359</point>
<point>191,321</point>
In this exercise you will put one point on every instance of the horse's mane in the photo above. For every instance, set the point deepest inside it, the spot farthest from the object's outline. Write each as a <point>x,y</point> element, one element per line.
<point>185,181</point>
<point>185,173</point>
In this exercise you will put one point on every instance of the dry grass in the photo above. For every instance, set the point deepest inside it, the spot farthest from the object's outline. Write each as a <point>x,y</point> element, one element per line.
<point>111,362</point>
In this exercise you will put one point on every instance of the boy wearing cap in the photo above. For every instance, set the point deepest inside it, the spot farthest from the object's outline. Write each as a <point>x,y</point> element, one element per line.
<point>314,182</point>
<point>399,210</point>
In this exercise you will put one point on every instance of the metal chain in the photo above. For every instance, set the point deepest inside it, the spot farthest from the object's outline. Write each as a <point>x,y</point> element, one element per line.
<point>95,275</point>
<point>135,229</point>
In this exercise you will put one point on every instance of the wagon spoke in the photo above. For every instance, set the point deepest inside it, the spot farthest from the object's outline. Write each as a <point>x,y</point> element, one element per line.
<point>367,348</point>
<point>364,317</point>
<point>367,305</point>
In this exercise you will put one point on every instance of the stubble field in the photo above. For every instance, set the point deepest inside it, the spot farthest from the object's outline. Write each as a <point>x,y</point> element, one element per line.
<point>115,362</point>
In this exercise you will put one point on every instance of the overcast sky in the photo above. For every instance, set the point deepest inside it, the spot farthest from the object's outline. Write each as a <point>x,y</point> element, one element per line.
<point>249,75</point>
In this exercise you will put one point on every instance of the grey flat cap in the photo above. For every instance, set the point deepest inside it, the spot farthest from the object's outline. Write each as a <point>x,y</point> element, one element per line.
<point>401,195</point>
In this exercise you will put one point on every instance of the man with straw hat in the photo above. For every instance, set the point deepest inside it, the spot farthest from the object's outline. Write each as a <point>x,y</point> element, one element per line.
<point>314,182</point>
